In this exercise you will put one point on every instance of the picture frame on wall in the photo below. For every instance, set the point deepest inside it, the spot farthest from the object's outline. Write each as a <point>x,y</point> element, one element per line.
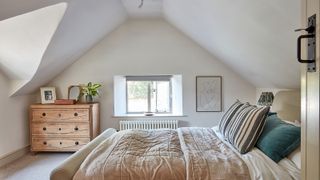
<point>208,93</point>
<point>48,95</point>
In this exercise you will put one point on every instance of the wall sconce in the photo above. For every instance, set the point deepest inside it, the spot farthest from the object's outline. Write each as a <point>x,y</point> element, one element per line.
<point>266,99</point>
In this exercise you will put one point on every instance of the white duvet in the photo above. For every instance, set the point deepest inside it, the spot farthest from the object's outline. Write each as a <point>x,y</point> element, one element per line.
<point>262,167</point>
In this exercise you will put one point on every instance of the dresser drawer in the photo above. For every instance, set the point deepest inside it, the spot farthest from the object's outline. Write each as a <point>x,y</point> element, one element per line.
<point>61,129</point>
<point>58,144</point>
<point>60,115</point>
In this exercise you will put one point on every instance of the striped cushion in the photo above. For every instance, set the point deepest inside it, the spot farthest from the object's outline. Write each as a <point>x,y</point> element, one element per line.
<point>246,127</point>
<point>226,118</point>
<point>231,121</point>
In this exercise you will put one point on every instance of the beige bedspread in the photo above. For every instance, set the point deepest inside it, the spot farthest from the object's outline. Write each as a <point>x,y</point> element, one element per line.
<point>186,153</point>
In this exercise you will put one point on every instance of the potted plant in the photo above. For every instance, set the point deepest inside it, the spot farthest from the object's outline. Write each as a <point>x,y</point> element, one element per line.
<point>90,91</point>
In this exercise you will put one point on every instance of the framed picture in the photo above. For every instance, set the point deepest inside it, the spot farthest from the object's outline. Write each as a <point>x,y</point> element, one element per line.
<point>209,93</point>
<point>48,95</point>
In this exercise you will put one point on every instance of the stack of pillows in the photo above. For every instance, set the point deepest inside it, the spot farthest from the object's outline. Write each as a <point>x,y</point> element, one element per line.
<point>245,126</point>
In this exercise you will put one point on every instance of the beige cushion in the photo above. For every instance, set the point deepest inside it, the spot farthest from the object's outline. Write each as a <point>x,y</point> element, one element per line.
<point>69,167</point>
<point>287,105</point>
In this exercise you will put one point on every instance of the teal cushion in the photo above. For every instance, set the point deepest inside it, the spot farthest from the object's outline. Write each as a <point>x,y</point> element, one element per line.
<point>271,113</point>
<point>278,138</point>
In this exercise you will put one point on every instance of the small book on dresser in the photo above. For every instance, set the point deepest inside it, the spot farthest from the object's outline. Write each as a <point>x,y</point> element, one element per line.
<point>63,128</point>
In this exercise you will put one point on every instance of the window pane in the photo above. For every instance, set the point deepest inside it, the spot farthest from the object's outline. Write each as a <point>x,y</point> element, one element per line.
<point>137,92</point>
<point>160,99</point>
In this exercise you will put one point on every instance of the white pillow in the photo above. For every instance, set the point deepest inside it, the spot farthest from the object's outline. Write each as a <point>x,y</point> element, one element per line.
<point>296,122</point>
<point>295,157</point>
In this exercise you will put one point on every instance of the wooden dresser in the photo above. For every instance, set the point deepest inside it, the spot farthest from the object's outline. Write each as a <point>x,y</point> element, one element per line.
<point>63,127</point>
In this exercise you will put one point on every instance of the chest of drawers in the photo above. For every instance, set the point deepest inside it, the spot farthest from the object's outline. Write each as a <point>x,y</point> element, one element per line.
<point>63,127</point>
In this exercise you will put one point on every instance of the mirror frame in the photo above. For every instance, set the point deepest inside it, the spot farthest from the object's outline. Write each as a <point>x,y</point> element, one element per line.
<point>79,95</point>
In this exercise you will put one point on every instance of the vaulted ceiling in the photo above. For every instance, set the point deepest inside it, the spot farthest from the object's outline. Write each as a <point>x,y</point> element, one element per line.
<point>255,38</point>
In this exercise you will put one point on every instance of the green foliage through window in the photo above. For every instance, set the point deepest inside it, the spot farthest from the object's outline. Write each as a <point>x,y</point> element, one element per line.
<point>148,96</point>
<point>138,89</point>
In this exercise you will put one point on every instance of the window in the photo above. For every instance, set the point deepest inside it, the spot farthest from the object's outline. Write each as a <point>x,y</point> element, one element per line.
<point>160,94</point>
<point>148,94</point>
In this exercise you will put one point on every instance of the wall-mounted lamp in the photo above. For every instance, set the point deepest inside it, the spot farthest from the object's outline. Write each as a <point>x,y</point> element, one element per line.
<point>266,99</point>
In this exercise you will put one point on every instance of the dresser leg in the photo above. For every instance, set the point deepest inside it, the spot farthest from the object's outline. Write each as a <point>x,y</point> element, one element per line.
<point>33,153</point>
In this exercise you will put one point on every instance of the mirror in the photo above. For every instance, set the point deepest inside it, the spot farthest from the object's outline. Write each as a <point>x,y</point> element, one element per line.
<point>74,92</point>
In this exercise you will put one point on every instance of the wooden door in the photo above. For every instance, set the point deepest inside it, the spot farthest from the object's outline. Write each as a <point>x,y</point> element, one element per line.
<point>310,91</point>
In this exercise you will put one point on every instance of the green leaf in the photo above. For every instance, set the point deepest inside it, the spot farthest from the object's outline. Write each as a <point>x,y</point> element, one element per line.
<point>91,89</point>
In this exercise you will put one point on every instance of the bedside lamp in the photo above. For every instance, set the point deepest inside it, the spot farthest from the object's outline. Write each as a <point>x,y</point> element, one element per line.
<point>266,99</point>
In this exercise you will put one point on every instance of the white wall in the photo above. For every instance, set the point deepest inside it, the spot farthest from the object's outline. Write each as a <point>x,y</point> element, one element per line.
<point>14,122</point>
<point>143,47</point>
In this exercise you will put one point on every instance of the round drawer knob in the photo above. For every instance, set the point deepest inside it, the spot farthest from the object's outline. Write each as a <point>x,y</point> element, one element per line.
<point>60,143</point>
<point>44,128</point>
<point>75,114</point>
<point>44,114</point>
<point>45,143</point>
<point>77,143</point>
<point>59,129</point>
<point>59,115</point>
<point>76,128</point>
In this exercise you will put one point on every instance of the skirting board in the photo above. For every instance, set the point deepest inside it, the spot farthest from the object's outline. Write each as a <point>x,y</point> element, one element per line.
<point>10,157</point>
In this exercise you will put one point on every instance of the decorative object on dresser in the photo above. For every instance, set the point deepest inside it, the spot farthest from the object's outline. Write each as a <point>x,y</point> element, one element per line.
<point>90,91</point>
<point>63,127</point>
<point>48,95</point>
<point>74,92</point>
<point>65,101</point>
<point>209,93</point>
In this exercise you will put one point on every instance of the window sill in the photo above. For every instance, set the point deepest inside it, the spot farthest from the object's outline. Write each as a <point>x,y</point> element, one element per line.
<point>144,116</point>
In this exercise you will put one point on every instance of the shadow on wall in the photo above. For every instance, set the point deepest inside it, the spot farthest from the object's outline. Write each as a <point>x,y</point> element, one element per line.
<point>184,123</point>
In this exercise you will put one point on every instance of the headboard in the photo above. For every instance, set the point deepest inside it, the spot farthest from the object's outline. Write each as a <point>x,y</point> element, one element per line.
<point>287,104</point>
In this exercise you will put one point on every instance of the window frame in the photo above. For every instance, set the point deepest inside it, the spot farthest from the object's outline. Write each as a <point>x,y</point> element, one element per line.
<point>167,78</point>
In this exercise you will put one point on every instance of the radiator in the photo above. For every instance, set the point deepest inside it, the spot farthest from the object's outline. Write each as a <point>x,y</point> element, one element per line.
<point>148,124</point>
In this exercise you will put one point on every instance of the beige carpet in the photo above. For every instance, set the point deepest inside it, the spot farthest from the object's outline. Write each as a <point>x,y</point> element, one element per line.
<point>32,167</point>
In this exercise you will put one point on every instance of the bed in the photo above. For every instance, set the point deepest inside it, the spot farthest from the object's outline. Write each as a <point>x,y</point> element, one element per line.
<point>185,153</point>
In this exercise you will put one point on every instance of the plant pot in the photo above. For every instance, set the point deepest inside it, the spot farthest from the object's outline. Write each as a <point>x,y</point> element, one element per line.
<point>89,99</point>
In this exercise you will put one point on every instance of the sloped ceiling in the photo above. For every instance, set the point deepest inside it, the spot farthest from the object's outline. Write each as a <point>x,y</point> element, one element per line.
<point>255,38</point>
<point>84,24</point>
<point>25,38</point>
<point>150,8</point>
